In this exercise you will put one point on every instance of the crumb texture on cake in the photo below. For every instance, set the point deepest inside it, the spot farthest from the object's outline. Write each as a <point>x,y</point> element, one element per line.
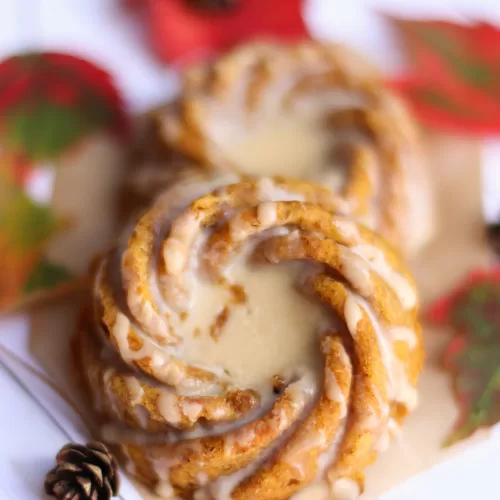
<point>308,110</point>
<point>245,343</point>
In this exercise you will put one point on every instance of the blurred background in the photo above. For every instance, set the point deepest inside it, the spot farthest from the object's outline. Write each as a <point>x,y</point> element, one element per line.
<point>76,75</point>
<point>110,33</point>
<point>96,65</point>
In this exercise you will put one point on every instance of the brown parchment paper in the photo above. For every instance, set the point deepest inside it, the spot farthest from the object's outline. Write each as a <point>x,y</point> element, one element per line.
<point>458,247</point>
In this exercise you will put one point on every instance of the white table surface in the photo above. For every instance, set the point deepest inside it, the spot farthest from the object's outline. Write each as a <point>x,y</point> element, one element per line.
<point>100,31</point>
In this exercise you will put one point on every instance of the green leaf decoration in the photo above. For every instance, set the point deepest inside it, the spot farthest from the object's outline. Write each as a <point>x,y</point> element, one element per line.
<point>478,311</point>
<point>26,228</point>
<point>454,79</point>
<point>46,275</point>
<point>24,223</point>
<point>473,355</point>
<point>50,101</point>
<point>442,101</point>
<point>455,52</point>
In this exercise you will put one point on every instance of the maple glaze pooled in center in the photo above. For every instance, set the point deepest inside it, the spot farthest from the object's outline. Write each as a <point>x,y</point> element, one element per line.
<point>261,327</point>
<point>287,146</point>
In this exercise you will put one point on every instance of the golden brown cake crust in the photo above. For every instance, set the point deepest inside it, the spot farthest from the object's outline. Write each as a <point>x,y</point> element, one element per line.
<point>374,139</point>
<point>184,428</point>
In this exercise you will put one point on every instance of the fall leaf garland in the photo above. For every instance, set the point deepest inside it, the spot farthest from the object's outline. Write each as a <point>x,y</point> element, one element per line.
<point>454,81</point>
<point>49,103</point>
<point>472,357</point>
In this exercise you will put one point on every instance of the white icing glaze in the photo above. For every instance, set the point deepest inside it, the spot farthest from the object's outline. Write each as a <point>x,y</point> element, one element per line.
<point>298,454</point>
<point>326,459</point>
<point>374,419</point>
<point>333,178</point>
<point>267,214</point>
<point>305,388</point>
<point>134,388</point>
<point>202,478</point>
<point>403,334</point>
<point>348,229</point>
<point>120,334</point>
<point>162,364</point>
<point>356,271</point>
<point>164,369</point>
<point>320,489</point>
<point>403,391</point>
<point>148,349</point>
<point>142,416</point>
<point>191,410</point>
<point>164,490</point>
<point>317,102</point>
<point>352,313</point>
<point>344,357</point>
<point>218,413</point>
<point>316,491</point>
<point>393,427</point>
<point>182,232</point>
<point>418,224</point>
<point>239,228</point>
<point>168,407</point>
<point>301,393</point>
<point>269,191</point>
<point>246,437</point>
<point>111,397</point>
<point>345,489</point>
<point>383,441</point>
<point>377,261</point>
<point>221,488</point>
<point>334,393</point>
<point>228,444</point>
<point>384,344</point>
<point>400,388</point>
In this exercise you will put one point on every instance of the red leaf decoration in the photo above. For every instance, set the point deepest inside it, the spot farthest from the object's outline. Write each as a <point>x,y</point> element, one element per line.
<point>473,355</point>
<point>49,101</point>
<point>461,111</point>
<point>440,312</point>
<point>458,68</point>
<point>182,33</point>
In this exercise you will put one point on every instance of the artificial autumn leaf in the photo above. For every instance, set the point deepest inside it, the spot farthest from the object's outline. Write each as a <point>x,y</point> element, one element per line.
<point>182,33</point>
<point>25,224</point>
<point>49,101</point>
<point>473,355</point>
<point>25,229</point>
<point>457,111</point>
<point>454,83</point>
<point>16,268</point>
<point>14,169</point>
<point>46,275</point>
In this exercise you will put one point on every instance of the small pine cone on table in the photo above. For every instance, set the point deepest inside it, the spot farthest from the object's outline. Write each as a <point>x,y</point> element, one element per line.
<point>87,472</point>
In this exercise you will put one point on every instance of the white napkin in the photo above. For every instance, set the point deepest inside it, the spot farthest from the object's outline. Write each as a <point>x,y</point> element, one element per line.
<point>36,420</point>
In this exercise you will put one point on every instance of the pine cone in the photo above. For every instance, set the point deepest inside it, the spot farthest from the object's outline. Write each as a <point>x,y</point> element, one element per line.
<point>213,5</point>
<point>83,473</point>
<point>493,232</point>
